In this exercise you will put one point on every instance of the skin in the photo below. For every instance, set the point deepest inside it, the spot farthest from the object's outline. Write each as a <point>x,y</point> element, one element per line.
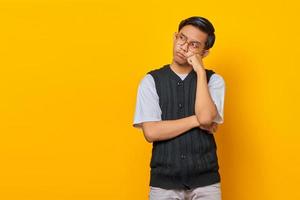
<point>185,60</point>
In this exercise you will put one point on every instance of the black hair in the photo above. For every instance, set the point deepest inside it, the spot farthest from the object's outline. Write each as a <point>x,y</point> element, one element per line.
<point>204,25</point>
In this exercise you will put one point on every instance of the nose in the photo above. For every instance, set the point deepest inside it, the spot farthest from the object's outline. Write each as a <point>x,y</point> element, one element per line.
<point>185,47</point>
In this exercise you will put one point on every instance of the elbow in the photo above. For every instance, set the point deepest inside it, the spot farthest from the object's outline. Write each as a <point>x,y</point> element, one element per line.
<point>206,119</point>
<point>148,136</point>
<point>148,132</point>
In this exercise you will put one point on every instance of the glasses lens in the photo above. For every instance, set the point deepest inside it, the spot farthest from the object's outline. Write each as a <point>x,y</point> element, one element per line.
<point>181,39</point>
<point>194,47</point>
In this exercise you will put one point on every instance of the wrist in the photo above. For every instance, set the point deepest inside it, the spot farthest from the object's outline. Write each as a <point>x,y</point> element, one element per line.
<point>195,121</point>
<point>200,71</point>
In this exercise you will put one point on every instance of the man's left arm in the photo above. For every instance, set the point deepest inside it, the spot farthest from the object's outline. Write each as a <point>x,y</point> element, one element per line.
<point>205,109</point>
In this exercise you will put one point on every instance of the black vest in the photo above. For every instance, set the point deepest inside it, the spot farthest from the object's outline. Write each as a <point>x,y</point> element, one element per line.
<point>190,159</point>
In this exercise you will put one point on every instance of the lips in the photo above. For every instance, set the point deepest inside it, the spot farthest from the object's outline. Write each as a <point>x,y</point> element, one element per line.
<point>181,55</point>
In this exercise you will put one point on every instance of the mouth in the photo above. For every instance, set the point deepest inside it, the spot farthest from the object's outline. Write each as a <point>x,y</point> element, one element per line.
<point>181,55</point>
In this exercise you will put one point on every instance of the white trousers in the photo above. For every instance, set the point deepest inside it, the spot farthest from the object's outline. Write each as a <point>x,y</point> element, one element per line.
<point>210,192</point>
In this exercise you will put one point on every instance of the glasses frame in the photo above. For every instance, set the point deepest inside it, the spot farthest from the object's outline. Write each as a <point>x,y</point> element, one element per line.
<point>188,43</point>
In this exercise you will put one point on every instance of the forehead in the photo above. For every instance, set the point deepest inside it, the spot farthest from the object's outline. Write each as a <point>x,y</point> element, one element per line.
<point>193,33</point>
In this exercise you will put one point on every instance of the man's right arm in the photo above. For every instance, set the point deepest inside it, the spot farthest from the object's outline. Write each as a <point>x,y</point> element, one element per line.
<point>148,115</point>
<point>167,129</point>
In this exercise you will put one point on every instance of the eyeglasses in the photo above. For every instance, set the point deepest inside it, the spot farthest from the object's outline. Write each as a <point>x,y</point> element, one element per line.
<point>193,46</point>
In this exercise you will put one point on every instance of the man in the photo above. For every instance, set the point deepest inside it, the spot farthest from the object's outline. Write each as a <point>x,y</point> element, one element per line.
<point>178,108</point>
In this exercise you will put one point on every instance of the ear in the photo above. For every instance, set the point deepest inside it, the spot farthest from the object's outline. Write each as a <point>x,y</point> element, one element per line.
<point>205,53</point>
<point>174,36</point>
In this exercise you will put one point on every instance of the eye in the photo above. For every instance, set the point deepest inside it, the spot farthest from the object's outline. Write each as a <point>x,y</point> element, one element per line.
<point>181,37</point>
<point>195,45</point>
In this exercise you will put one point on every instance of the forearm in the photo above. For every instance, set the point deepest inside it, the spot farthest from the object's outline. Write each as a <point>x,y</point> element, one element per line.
<point>205,108</point>
<point>167,129</point>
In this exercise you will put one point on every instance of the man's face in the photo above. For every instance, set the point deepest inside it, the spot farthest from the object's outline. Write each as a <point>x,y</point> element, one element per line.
<point>188,41</point>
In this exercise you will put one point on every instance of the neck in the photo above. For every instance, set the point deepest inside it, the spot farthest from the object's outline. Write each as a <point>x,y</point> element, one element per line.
<point>181,69</point>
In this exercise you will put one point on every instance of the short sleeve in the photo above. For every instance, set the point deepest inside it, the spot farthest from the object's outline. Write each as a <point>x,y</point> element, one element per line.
<point>216,87</point>
<point>147,102</point>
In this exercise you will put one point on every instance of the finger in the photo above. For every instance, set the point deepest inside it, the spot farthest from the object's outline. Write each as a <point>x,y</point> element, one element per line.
<point>198,55</point>
<point>190,61</point>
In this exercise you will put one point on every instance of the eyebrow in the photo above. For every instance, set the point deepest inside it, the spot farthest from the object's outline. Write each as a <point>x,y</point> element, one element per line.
<point>192,40</point>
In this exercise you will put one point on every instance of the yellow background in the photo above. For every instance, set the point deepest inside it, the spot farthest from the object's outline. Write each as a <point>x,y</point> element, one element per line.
<point>68,83</point>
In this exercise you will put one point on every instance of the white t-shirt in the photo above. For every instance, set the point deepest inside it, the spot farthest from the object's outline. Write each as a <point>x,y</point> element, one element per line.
<point>147,102</point>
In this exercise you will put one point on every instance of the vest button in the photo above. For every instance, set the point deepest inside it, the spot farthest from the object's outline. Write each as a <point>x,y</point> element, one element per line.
<point>182,156</point>
<point>180,105</point>
<point>179,83</point>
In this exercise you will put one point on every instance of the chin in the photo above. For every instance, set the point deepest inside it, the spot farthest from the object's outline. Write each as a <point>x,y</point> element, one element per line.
<point>180,61</point>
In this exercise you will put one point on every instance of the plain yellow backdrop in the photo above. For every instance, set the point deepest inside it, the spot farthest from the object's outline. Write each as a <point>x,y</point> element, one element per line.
<point>68,84</point>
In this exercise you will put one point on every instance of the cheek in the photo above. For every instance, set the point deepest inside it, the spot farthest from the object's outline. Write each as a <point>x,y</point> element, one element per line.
<point>175,48</point>
<point>188,54</point>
